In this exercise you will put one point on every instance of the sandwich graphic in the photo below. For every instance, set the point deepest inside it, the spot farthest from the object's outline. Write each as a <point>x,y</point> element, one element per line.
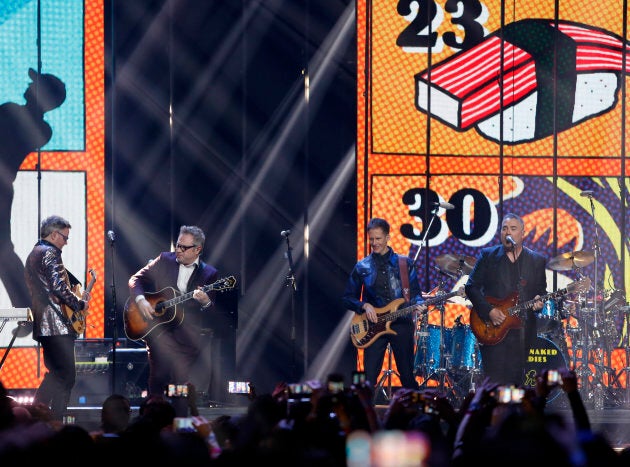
<point>531,73</point>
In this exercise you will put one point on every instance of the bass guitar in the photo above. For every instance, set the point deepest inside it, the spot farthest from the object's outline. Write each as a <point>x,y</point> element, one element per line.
<point>489,334</point>
<point>77,318</point>
<point>364,332</point>
<point>167,312</point>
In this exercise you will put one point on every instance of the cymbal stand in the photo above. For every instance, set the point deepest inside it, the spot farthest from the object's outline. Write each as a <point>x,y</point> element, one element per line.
<point>626,370</point>
<point>387,376</point>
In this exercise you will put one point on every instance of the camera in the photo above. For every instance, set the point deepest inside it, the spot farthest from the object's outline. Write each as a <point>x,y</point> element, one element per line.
<point>509,395</point>
<point>238,387</point>
<point>177,390</point>
<point>553,377</point>
<point>183,425</point>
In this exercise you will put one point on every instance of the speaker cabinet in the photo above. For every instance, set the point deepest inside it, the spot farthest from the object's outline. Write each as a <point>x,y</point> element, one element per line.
<point>131,373</point>
<point>98,376</point>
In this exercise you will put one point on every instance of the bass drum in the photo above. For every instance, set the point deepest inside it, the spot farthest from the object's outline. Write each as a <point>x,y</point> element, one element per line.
<point>543,355</point>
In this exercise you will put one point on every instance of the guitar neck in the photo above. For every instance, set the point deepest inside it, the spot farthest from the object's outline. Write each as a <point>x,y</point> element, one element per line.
<point>528,305</point>
<point>428,302</point>
<point>175,300</point>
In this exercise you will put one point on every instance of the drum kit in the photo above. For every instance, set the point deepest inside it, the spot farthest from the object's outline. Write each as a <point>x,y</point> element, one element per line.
<point>448,356</point>
<point>578,330</point>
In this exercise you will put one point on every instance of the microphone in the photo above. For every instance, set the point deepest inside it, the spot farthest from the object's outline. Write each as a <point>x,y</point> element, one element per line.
<point>511,240</point>
<point>444,204</point>
<point>587,194</point>
<point>285,233</point>
<point>111,235</point>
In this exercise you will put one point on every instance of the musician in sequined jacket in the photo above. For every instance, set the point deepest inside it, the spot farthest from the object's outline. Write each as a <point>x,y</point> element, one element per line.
<point>50,288</point>
<point>373,283</point>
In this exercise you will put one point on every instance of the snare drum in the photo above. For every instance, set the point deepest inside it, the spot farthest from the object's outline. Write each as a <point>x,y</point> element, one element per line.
<point>548,320</point>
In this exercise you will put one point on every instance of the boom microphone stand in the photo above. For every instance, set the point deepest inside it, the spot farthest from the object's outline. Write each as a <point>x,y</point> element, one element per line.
<point>441,370</point>
<point>290,282</point>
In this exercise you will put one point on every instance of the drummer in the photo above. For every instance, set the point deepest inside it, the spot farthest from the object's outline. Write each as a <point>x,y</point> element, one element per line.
<point>501,273</point>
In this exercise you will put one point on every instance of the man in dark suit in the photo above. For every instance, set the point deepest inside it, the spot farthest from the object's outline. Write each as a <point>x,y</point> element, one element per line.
<point>502,271</point>
<point>174,346</point>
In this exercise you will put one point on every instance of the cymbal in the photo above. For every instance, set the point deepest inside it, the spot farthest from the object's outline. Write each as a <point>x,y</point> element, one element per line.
<point>571,260</point>
<point>455,264</point>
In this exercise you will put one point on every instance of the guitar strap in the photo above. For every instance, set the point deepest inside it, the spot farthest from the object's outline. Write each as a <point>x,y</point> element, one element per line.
<point>404,276</point>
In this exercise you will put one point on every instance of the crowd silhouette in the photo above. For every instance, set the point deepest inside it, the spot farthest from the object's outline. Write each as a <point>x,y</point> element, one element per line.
<point>312,424</point>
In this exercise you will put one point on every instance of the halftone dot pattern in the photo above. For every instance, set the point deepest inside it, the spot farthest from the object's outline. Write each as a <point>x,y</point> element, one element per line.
<point>20,368</point>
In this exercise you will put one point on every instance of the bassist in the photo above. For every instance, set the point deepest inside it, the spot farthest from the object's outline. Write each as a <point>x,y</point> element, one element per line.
<point>501,271</point>
<point>173,349</point>
<point>374,282</point>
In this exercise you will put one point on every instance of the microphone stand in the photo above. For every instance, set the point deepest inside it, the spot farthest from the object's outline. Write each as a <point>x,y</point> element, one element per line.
<point>427,375</point>
<point>290,282</point>
<point>113,318</point>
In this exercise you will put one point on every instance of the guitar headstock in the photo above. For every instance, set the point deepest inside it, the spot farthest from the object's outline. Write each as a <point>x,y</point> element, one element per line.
<point>224,283</point>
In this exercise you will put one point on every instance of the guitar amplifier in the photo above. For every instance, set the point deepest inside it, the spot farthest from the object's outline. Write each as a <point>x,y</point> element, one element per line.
<point>131,378</point>
<point>95,377</point>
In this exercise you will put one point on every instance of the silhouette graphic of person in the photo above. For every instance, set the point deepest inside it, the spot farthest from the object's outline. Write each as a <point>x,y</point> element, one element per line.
<point>22,131</point>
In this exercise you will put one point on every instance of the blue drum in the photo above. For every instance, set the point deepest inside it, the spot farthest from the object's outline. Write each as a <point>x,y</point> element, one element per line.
<point>548,320</point>
<point>465,353</point>
<point>428,353</point>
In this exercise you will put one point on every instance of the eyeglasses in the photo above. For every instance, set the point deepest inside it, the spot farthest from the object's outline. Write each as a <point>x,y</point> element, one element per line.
<point>65,237</point>
<point>179,246</point>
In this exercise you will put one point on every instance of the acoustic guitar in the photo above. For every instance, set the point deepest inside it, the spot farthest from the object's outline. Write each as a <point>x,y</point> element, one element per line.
<point>489,334</point>
<point>364,332</point>
<point>167,312</point>
<point>78,318</point>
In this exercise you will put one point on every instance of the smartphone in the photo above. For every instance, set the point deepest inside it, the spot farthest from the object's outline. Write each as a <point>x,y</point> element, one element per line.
<point>509,395</point>
<point>553,377</point>
<point>238,387</point>
<point>300,389</point>
<point>358,378</point>
<point>177,390</point>
<point>335,387</point>
<point>183,425</point>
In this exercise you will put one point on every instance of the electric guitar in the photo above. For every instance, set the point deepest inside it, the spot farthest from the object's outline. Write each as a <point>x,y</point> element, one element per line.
<point>364,332</point>
<point>489,334</point>
<point>167,312</point>
<point>77,318</point>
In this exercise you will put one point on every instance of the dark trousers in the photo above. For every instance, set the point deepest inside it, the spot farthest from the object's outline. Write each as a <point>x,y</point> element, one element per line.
<point>402,344</point>
<point>55,389</point>
<point>172,355</point>
<point>504,363</point>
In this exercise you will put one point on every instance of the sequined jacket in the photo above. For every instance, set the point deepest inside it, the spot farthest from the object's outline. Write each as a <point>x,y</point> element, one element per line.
<point>45,277</point>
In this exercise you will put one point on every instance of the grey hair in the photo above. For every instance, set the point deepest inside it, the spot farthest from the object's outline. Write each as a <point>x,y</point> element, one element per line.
<point>198,235</point>
<point>52,223</point>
